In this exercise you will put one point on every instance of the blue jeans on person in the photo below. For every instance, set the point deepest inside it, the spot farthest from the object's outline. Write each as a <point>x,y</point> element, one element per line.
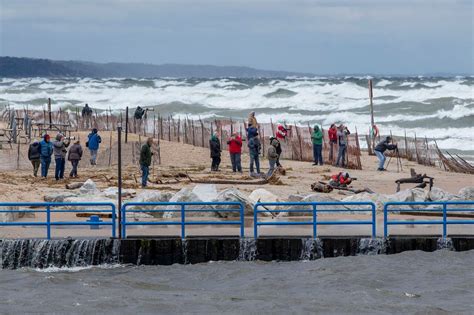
<point>45,162</point>
<point>93,157</point>
<point>235,159</point>
<point>74,164</point>
<point>59,171</point>
<point>145,172</point>
<point>381,158</point>
<point>254,158</point>
<point>341,155</point>
<point>318,154</point>
<point>272,167</point>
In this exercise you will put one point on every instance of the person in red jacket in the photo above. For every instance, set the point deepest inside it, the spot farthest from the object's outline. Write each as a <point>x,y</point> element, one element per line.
<point>332,133</point>
<point>235,150</point>
<point>281,132</point>
<point>340,180</point>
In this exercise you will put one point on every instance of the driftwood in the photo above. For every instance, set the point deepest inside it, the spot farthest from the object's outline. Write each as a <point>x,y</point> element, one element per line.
<point>269,180</point>
<point>415,179</point>
<point>74,185</point>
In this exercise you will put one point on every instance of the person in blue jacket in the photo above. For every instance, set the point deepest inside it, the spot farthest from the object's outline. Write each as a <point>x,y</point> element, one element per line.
<point>93,141</point>
<point>46,150</point>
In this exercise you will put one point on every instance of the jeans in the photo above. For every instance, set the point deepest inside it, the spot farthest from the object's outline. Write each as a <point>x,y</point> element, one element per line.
<point>318,154</point>
<point>235,159</point>
<point>36,164</point>
<point>381,158</point>
<point>254,158</point>
<point>341,155</point>
<point>332,144</point>
<point>45,162</point>
<point>75,164</point>
<point>272,167</point>
<point>60,164</point>
<point>145,172</point>
<point>93,157</point>
<point>215,163</point>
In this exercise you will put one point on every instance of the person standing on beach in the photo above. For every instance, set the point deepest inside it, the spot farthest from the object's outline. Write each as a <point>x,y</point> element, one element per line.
<point>235,150</point>
<point>86,115</point>
<point>342,134</point>
<point>59,150</point>
<point>93,142</point>
<point>317,139</point>
<point>332,134</point>
<point>277,149</point>
<point>381,148</point>
<point>74,156</point>
<point>272,156</point>
<point>254,152</point>
<point>46,150</point>
<point>145,160</point>
<point>215,147</point>
<point>34,155</point>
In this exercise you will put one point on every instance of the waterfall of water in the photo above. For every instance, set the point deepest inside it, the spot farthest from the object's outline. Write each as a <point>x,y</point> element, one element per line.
<point>311,249</point>
<point>445,243</point>
<point>371,246</point>
<point>58,253</point>
<point>248,249</point>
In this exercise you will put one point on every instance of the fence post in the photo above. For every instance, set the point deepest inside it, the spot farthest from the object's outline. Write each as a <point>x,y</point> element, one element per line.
<point>183,225</point>
<point>48,222</point>
<point>315,231</point>
<point>444,220</point>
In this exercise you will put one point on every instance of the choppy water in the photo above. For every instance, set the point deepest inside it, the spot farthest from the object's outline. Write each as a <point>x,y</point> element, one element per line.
<point>409,283</point>
<point>430,106</point>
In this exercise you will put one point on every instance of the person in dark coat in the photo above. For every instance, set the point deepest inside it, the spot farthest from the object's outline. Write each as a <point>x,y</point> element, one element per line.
<point>46,150</point>
<point>254,151</point>
<point>75,155</point>
<point>215,147</point>
<point>93,142</point>
<point>59,151</point>
<point>145,160</point>
<point>34,155</point>
<point>87,114</point>
<point>381,148</point>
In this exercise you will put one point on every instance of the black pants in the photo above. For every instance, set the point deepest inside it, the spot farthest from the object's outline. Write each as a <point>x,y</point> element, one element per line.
<point>215,163</point>
<point>74,164</point>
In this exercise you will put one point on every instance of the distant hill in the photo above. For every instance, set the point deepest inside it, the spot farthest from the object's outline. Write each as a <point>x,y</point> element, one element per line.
<point>29,67</point>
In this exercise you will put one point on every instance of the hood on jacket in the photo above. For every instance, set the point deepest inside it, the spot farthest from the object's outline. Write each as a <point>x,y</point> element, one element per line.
<point>94,130</point>
<point>274,142</point>
<point>213,138</point>
<point>316,128</point>
<point>46,137</point>
<point>59,136</point>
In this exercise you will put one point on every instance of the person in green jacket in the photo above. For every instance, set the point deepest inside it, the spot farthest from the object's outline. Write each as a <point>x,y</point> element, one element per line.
<point>145,160</point>
<point>317,139</point>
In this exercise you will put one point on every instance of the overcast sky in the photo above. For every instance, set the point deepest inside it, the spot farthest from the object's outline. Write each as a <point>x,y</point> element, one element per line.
<point>322,37</point>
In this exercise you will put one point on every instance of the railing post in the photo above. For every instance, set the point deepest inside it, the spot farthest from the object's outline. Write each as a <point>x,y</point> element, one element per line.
<point>183,225</point>
<point>255,225</point>
<point>113,221</point>
<point>374,221</point>
<point>123,223</point>
<point>315,231</point>
<point>48,222</point>
<point>242,221</point>
<point>444,220</point>
<point>385,220</point>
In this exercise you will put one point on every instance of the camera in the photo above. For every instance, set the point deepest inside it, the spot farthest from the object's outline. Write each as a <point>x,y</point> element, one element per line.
<point>70,138</point>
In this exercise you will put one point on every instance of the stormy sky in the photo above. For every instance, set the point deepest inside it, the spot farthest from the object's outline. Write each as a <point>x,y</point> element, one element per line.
<point>316,36</point>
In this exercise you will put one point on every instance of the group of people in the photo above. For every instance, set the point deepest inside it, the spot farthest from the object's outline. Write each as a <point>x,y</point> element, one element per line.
<point>337,137</point>
<point>40,154</point>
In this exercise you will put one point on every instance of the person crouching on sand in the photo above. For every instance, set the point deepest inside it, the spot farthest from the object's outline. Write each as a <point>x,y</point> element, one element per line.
<point>145,160</point>
<point>46,150</point>
<point>381,148</point>
<point>235,150</point>
<point>74,156</point>
<point>215,147</point>
<point>34,155</point>
<point>317,139</point>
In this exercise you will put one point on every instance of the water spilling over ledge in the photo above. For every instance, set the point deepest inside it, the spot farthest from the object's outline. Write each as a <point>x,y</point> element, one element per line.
<point>167,251</point>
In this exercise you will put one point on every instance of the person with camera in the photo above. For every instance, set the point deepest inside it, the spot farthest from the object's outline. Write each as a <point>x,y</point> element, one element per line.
<point>215,148</point>
<point>74,156</point>
<point>381,148</point>
<point>87,114</point>
<point>342,134</point>
<point>235,150</point>
<point>46,150</point>
<point>332,134</point>
<point>145,160</point>
<point>59,151</point>
<point>317,140</point>
<point>93,142</point>
<point>255,148</point>
<point>34,155</point>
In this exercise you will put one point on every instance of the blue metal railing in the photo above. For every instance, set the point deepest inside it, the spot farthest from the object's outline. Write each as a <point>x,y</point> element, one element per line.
<point>444,208</point>
<point>182,209</point>
<point>314,212</point>
<point>49,208</point>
